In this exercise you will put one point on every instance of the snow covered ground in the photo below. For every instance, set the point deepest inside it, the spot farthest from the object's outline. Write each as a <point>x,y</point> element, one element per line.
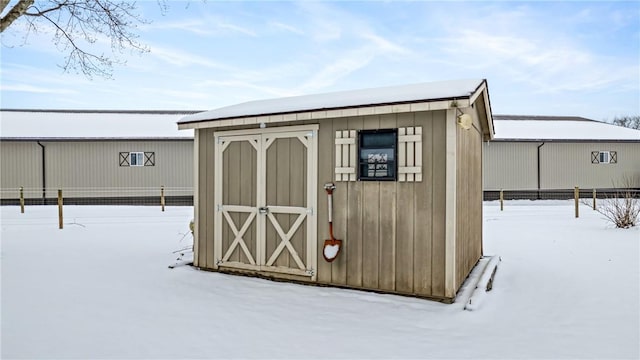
<point>100,288</point>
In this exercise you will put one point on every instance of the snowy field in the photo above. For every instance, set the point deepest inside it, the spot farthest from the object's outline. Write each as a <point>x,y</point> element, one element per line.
<point>566,289</point>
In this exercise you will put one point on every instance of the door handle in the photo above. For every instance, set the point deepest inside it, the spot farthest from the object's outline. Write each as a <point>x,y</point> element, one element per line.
<point>263,209</point>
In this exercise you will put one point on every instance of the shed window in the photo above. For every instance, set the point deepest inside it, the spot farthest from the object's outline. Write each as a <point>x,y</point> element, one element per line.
<point>377,154</point>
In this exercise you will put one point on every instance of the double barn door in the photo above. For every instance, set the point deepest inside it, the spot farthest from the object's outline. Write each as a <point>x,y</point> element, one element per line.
<point>265,196</point>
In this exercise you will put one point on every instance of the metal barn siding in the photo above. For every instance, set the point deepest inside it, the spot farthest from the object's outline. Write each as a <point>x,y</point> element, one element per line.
<point>92,168</point>
<point>565,165</point>
<point>20,165</point>
<point>513,165</point>
<point>510,165</point>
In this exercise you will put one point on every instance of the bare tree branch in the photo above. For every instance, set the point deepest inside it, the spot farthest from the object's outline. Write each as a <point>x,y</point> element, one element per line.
<point>632,121</point>
<point>80,27</point>
<point>623,207</point>
<point>3,5</point>
<point>18,10</point>
<point>43,12</point>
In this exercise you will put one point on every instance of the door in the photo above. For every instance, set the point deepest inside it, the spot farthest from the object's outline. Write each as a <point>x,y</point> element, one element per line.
<point>265,196</point>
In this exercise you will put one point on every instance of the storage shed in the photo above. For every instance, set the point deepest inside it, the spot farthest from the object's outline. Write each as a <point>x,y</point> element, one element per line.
<point>407,165</point>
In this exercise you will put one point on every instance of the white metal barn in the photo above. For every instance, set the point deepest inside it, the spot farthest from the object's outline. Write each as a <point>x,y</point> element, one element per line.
<point>531,153</point>
<point>93,154</point>
<point>528,154</point>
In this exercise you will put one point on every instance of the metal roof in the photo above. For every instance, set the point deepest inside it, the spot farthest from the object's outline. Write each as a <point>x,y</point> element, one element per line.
<point>91,124</point>
<point>559,128</point>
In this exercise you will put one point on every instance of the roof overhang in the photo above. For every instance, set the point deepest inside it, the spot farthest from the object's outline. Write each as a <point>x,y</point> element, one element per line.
<point>488,131</point>
<point>363,110</point>
<point>479,94</point>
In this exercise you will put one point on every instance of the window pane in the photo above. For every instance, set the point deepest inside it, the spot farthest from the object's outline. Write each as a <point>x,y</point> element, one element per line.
<point>604,157</point>
<point>387,139</point>
<point>377,155</point>
<point>136,159</point>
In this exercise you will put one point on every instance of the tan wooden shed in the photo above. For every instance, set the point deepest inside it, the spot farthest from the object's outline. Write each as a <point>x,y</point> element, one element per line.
<point>407,165</point>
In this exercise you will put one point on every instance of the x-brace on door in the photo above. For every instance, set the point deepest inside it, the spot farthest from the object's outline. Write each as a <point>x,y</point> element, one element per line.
<point>265,196</point>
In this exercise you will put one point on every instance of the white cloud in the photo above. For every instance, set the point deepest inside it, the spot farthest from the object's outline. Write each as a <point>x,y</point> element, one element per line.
<point>35,89</point>
<point>286,27</point>
<point>347,62</point>
<point>348,42</point>
<point>236,28</point>
<point>325,23</point>
<point>183,58</point>
<point>194,26</point>
<point>547,65</point>
<point>239,84</point>
<point>343,66</point>
<point>383,45</point>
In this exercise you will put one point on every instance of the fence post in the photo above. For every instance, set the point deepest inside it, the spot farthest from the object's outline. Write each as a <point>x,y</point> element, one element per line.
<point>594,199</point>
<point>501,200</point>
<point>162,197</point>
<point>576,196</point>
<point>22,199</point>
<point>60,209</point>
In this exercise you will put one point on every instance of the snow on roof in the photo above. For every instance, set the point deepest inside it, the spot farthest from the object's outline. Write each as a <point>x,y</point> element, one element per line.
<point>344,99</point>
<point>518,127</point>
<point>79,124</point>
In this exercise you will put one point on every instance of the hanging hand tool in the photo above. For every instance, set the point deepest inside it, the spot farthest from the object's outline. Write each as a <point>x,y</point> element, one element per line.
<point>332,246</point>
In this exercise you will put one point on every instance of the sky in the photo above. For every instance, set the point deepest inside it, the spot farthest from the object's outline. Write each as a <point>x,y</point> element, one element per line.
<point>539,58</point>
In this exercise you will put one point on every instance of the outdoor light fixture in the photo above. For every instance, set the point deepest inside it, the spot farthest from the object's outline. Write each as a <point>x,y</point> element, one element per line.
<point>464,120</point>
<point>263,125</point>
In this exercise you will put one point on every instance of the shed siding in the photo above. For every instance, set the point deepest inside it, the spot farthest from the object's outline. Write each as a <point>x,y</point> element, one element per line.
<point>206,208</point>
<point>468,200</point>
<point>20,165</point>
<point>393,233</point>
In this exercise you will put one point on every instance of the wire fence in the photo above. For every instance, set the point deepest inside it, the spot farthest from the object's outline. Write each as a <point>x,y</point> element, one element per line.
<point>135,196</point>
<point>558,194</point>
<point>183,196</point>
<point>614,203</point>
